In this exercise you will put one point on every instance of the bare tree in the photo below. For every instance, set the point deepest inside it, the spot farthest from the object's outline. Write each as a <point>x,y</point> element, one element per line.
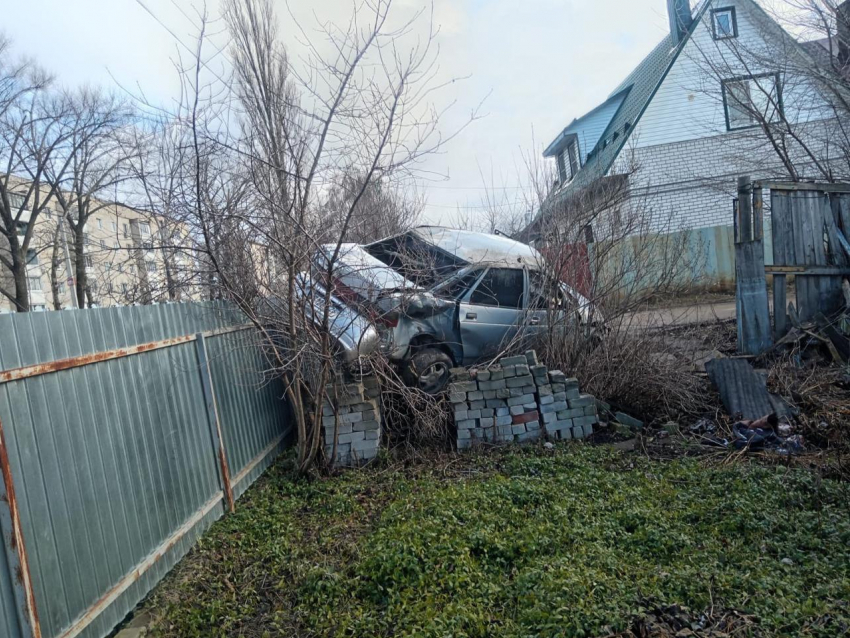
<point>88,174</point>
<point>264,150</point>
<point>35,133</point>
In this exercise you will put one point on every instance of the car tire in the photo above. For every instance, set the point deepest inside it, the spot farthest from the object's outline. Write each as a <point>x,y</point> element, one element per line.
<point>428,370</point>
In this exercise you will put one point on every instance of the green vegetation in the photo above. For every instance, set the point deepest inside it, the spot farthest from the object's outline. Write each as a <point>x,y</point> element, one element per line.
<point>517,543</point>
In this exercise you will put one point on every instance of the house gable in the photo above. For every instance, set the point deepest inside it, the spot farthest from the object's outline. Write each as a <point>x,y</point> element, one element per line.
<point>689,103</point>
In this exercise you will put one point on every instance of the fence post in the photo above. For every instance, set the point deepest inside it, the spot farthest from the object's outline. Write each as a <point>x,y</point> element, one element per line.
<point>13,544</point>
<point>213,420</point>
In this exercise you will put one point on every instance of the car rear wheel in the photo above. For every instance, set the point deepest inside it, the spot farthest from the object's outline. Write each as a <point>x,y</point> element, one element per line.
<point>429,370</point>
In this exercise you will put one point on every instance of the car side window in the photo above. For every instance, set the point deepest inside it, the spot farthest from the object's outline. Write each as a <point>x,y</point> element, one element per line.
<point>545,293</point>
<point>460,286</point>
<point>500,287</point>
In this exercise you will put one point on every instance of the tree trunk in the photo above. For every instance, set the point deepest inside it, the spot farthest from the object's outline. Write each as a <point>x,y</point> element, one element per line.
<point>54,268</point>
<point>19,272</point>
<point>81,284</point>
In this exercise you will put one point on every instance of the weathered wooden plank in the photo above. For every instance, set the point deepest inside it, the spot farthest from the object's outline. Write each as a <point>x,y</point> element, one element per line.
<point>820,271</point>
<point>780,304</point>
<point>754,329</point>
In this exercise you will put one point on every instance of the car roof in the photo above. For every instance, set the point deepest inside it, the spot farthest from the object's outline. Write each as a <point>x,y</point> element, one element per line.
<point>480,248</point>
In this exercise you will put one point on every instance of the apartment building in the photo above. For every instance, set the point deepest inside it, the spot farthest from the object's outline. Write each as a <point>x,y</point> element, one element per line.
<point>131,257</point>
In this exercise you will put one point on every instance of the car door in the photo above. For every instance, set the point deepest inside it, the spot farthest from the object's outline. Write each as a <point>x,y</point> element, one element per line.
<point>547,304</point>
<point>491,313</point>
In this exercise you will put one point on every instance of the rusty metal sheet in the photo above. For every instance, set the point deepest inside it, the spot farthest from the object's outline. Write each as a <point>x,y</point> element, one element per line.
<point>112,461</point>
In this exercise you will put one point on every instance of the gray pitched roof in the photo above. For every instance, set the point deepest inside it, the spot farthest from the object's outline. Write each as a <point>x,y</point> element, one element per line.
<point>642,83</point>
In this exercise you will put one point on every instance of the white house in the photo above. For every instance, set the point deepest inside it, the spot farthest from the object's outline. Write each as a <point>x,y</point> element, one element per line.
<point>685,123</point>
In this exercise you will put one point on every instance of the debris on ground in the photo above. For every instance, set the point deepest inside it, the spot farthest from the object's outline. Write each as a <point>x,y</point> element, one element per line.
<point>676,621</point>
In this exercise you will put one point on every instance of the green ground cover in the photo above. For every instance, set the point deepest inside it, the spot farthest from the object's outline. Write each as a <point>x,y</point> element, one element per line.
<point>517,543</point>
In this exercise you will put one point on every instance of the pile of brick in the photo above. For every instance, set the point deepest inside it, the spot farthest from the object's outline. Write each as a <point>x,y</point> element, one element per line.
<point>518,400</point>
<point>352,412</point>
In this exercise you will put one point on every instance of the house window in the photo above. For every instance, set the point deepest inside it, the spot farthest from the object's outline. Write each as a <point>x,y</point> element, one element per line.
<point>725,23</point>
<point>126,231</point>
<point>752,101</point>
<point>575,164</point>
<point>145,228</point>
<point>151,266</point>
<point>103,244</point>
<point>34,283</point>
<point>87,261</point>
<point>100,223</point>
<point>32,257</point>
<point>562,169</point>
<point>60,287</point>
<point>114,227</point>
<point>123,289</point>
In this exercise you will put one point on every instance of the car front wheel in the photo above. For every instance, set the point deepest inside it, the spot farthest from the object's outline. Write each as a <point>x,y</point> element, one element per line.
<point>429,370</point>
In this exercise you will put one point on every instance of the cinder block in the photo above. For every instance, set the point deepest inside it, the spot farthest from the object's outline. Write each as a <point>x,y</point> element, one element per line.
<point>504,420</point>
<point>590,410</point>
<point>473,414</point>
<point>582,401</point>
<point>549,417</point>
<point>560,396</point>
<point>488,413</point>
<point>532,425</point>
<point>588,430</point>
<point>505,430</point>
<point>463,386</point>
<point>573,394</point>
<point>464,434</point>
<point>457,397</point>
<point>467,425</point>
<point>460,374</point>
<point>518,429</point>
<point>497,374</point>
<point>461,415</point>
<point>529,389</point>
<point>504,393</point>
<point>371,435</point>
<point>517,409</point>
<point>554,407</point>
<point>474,396</point>
<point>514,361</point>
<point>558,387</point>
<point>556,376</point>
<point>531,358</point>
<point>578,432</point>
<point>508,371</point>
<point>546,399</point>
<point>496,403</point>
<point>353,417</point>
<point>539,371</point>
<point>523,370</point>
<point>487,422</point>
<point>464,444</point>
<point>483,375</point>
<point>354,437</point>
<point>366,426</point>
<point>571,414</point>
<point>521,400</point>
<point>506,411</point>
<point>477,405</point>
<point>370,415</point>
<point>520,382</point>
<point>544,390</point>
<point>489,395</point>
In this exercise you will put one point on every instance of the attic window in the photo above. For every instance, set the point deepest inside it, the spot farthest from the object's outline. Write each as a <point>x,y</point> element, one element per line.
<point>725,23</point>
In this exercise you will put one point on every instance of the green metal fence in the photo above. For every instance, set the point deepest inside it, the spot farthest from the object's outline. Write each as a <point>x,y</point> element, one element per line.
<point>124,433</point>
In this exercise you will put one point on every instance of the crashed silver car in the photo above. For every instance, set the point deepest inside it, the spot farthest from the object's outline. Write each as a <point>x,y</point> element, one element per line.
<point>440,298</point>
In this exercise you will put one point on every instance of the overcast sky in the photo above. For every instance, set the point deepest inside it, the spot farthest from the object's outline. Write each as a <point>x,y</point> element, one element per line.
<point>539,63</point>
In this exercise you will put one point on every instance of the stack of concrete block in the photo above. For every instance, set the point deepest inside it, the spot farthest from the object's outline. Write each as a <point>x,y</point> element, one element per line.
<point>518,400</point>
<point>352,412</point>
<point>566,412</point>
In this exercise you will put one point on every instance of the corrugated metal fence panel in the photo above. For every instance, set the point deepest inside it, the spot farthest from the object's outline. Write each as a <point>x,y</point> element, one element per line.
<point>111,459</point>
<point>8,616</point>
<point>249,410</point>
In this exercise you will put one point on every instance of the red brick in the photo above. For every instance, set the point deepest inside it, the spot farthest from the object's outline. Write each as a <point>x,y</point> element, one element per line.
<point>528,417</point>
